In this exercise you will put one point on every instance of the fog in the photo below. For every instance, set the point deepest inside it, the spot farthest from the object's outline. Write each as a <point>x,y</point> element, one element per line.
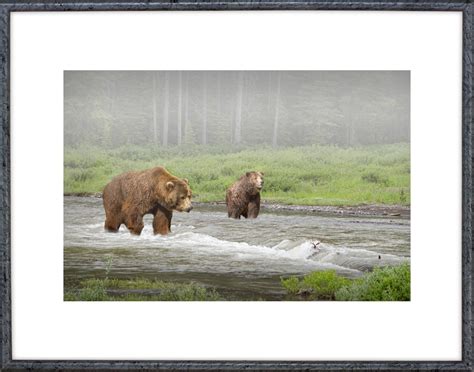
<point>236,108</point>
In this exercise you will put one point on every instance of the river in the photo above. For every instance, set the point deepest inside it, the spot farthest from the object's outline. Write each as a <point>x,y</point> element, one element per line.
<point>242,259</point>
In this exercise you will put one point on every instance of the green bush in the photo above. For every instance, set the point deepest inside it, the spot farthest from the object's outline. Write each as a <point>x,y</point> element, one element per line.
<point>374,178</point>
<point>320,285</point>
<point>383,284</point>
<point>291,284</point>
<point>80,175</point>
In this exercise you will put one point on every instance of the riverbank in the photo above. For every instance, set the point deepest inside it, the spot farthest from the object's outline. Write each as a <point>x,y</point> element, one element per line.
<point>382,284</point>
<point>375,210</point>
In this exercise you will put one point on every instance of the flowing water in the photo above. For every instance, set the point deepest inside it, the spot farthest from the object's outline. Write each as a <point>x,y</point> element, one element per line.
<point>243,259</point>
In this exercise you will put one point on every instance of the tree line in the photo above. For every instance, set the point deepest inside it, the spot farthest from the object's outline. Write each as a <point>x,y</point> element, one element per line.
<point>275,108</point>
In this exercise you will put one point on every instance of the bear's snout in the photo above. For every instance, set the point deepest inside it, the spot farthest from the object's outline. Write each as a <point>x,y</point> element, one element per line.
<point>189,209</point>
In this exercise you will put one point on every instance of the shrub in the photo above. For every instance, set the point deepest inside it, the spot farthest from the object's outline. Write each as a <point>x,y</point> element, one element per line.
<point>374,178</point>
<point>291,284</point>
<point>320,285</point>
<point>80,175</point>
<point>227,171</point>
<point>383,284</point>
<point>283,183</point>
<point>403,196</point>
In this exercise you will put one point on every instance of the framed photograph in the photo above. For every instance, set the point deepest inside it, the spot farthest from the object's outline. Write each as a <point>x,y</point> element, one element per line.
<point>261,185</point>
<point>272,218</point>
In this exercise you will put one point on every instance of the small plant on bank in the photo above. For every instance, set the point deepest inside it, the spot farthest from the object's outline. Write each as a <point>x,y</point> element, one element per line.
<point>320,285</point>
<point>108,265</point>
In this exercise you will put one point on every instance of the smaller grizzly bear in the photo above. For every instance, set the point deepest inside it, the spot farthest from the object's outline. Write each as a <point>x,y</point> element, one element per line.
<point>129,196</point>
<point>243,197</point>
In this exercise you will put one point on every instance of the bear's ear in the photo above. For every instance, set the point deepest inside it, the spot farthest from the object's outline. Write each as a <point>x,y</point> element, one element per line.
<point>247,174</point>
<point>170,185</point>
<point>186,181</point>
<point>262,173</point>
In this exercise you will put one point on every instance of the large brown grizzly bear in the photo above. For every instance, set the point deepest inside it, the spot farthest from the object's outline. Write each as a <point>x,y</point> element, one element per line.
<point>129,196</point>
<point>243,197</point>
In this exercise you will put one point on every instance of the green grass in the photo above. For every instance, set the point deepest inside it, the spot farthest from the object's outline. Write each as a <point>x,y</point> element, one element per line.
<point>101,290</point>
<point>310,175</point>
<point>383,284</point>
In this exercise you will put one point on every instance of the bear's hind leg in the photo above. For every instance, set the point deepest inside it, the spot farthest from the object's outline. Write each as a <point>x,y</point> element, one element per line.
<point>112,224</point>
<point>134,223</point>
<point>112,207</point>
<point>234,214</point>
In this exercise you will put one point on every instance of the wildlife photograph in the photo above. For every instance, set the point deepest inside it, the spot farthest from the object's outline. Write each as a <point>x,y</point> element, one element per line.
<point>236,185</point>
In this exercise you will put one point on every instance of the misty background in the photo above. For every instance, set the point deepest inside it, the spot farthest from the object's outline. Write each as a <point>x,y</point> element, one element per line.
<point>237,108</point>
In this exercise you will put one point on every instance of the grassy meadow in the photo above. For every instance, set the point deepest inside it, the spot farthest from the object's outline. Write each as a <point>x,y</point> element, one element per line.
<point>308,175</point>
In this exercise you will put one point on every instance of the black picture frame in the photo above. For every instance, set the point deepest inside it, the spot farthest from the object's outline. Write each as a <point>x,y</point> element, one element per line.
<point>467,9</point>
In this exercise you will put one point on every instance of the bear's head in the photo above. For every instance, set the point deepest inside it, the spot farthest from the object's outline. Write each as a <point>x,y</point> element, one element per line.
<point>179,195</point>
<point>255,180</point>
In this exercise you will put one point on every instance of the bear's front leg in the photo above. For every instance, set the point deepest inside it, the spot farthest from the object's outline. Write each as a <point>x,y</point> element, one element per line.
<point>234,211</point>
<point>254,206</point>
<point>162,221</point>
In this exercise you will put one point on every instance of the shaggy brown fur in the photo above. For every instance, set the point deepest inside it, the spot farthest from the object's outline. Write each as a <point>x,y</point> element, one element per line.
<point>129,196</point>
<point>243,197</point>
